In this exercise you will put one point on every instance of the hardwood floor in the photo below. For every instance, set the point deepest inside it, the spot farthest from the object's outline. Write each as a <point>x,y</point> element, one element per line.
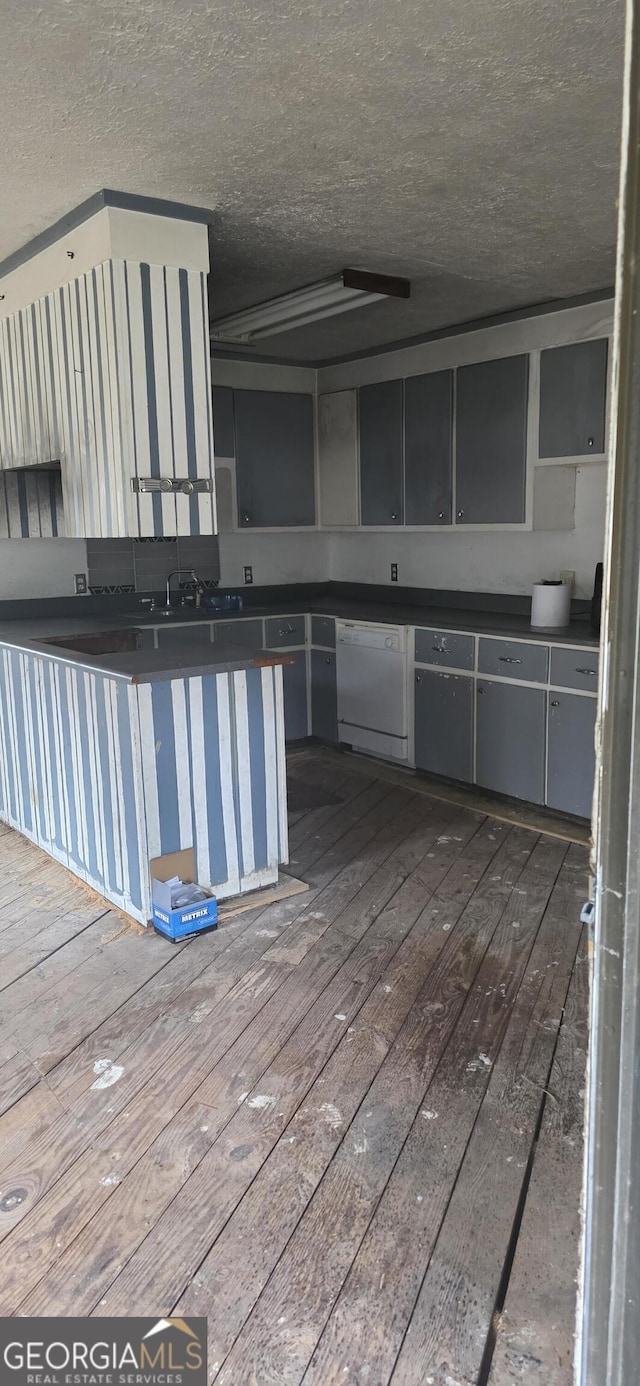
<point>346,1128</point>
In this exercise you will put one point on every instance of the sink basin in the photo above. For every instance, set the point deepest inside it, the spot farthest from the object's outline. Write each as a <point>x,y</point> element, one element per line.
<point>98,643</point>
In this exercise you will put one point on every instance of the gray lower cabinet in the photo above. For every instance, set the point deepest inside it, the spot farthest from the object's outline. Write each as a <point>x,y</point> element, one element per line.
<point>573,392</point>
<point>444,724</point>
<point>491,433</point>
<point>571,753</point>
<point>324,697</point>
<point>274,437</point>
<point>183,637</point>
<point>380,411</point>
<point>510,739</point>
<point>428,430</point>
<point>295,697</point>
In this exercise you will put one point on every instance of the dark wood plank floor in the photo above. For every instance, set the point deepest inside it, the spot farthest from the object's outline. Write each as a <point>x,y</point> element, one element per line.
<point>347,1128</point>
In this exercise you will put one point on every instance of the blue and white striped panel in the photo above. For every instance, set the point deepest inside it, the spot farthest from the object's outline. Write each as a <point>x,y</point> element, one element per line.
<point>161,349</point>
<point>111,375</point>
<point>212,768</point>
<point>68,769</point>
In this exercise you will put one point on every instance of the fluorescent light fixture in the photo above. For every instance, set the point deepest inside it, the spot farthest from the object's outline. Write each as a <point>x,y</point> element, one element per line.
<point>351,289</point>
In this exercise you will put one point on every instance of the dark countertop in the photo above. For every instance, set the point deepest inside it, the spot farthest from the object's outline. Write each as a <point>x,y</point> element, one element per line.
<point>148,665</point>
<point>508,624</point>
<point>135,666</point>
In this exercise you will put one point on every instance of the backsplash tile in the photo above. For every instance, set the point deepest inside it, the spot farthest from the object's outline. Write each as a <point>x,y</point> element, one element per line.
<point>143,565</point>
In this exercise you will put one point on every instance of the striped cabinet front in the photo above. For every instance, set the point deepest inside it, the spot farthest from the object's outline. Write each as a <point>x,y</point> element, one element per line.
<point>105,775</point>
<point>214,775</point>
<point>109,374</point>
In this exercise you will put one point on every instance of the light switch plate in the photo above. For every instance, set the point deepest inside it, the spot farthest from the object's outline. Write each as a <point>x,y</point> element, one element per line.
<point>568,576</point>
<point>248,575</point>
<point>394,572</point>
<point>80,584</point>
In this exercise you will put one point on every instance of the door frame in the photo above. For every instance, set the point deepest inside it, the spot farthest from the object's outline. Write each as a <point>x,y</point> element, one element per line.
<point>608,1338</point>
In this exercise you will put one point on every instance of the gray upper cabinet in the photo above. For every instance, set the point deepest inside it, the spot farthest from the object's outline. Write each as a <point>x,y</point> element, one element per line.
<point>491,435</point>
<point>510,739</point>
<point>428,428</point>
<point>274,459</point>
<point>571,765</point>
<point>573,391</point>
<point>380,409</point>
<point>224,441</point>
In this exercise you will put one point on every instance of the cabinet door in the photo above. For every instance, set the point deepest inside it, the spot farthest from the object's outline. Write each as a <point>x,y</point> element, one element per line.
<point>274,459</point>
<point>224,441</point>
<point>571,762</point>
<point>444,724</point>
<point>295,697</point>
<point>324,704</point>
<point>573,391</point>
<point>338,457</point>
<point>428,427</point>
<point>510,739</point>
<point>381,453</point>
<point>491,435</point>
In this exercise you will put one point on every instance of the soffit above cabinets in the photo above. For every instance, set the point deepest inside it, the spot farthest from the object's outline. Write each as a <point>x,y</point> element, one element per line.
<point>104,367</point>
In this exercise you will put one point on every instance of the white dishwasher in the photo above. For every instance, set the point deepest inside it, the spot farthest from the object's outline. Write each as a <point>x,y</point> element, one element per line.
<point>371,669</point>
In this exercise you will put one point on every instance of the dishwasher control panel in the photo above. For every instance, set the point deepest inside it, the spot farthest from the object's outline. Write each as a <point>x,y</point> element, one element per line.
<point>373,637</point>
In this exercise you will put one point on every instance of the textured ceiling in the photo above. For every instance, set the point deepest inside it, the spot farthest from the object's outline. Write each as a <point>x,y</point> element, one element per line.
<point>472,146</point>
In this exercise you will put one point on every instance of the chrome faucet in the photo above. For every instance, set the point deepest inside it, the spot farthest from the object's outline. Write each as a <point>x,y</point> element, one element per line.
<point>179,572</point>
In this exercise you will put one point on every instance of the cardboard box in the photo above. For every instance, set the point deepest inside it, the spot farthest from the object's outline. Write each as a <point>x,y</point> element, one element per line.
<point>192,919</point>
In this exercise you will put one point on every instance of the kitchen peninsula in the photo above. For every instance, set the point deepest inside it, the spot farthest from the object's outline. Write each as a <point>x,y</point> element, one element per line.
<point>112,755</point>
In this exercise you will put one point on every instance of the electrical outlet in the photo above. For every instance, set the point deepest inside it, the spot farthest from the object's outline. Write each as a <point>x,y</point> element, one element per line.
<point>394,572</point>
<point>248,575</point>
<point>80,584</point>
<point>568,576</point>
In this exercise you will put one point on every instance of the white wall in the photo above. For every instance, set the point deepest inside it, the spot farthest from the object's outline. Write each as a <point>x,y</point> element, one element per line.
<point>486,562</point>
<point>300,556</point>
<point>40,567</point>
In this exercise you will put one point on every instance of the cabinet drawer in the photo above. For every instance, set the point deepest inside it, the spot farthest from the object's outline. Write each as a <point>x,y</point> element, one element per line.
<point>285,630</point>
<point>323,631</point>
<point>449,648</point>
<point>512,659</point>
<point>183,637</point>
<point>575,669</point>
<point>238,633</point>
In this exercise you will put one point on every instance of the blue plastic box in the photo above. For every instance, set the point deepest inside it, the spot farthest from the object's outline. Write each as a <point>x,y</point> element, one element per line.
<point>192,919</point>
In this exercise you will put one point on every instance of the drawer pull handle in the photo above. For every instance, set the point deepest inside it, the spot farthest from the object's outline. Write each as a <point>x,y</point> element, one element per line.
<point>555,702</point>
<point>438,649</point>
<point>592,672</point>
<point>286,630</point>
<point>509,659</point>
<point>481,692</point>
<point>328,659</point>
<point>418,678</point>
